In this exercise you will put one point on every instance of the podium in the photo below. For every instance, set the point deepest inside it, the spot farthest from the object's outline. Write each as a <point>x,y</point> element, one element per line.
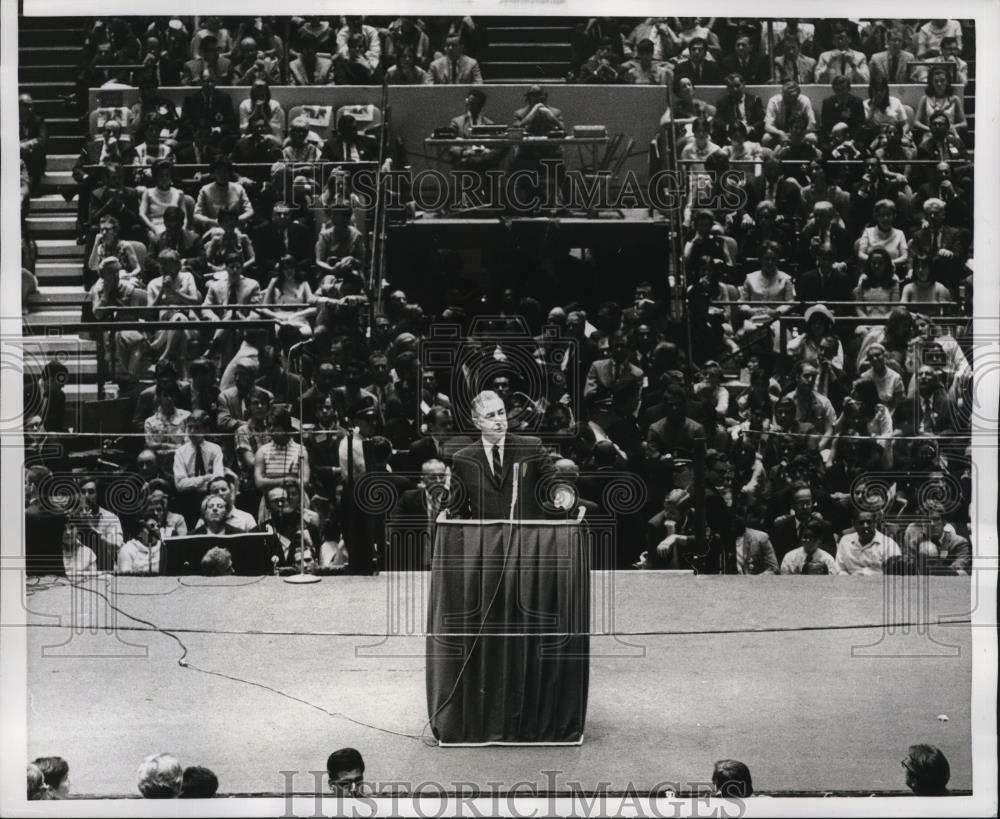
<point>508,645</point>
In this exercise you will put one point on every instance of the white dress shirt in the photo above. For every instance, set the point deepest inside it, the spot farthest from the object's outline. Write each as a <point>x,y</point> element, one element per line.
<point>853,557</point>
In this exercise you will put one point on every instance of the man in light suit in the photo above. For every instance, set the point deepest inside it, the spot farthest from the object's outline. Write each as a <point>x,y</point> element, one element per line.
<point>485,470</point>
<point>310,68</point>
<point>893,64</point>
<point>234,289</point>
<point>792,65</point>
<point>754,552</point>
<point>842,61</point>
<point>219,68</point>
<point>455,68</point>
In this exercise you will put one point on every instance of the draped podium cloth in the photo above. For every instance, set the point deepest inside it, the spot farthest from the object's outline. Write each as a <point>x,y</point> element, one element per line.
<point>515,671</point>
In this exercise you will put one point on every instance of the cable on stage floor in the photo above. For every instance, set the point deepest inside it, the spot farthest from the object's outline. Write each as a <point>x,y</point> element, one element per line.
<point>184,663</point>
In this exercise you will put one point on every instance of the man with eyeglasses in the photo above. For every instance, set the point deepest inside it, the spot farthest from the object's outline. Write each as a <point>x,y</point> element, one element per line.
<point>346,771</point>
<point>927,771</point>
<point>815,534</point>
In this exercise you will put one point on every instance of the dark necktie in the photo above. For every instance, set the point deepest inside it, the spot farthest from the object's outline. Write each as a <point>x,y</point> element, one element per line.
<point>893,65</point>
<point>234,295</point>
<point>843,64</point>
<point>497,466</point>
<point>935,242</point>
<point>199,461</point>
<point>454,71</point>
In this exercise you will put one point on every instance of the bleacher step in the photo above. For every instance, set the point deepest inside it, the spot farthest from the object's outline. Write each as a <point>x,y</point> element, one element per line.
<point>56,294</point>
<point>61,162</point>
<point>61,224</point>
<point>51,203</point>
<point>71,37</point>
<point>66,347</point>
<point>34,323</point>
<point>59,249</point>
<point>60,273</point>
<point>82,370</point>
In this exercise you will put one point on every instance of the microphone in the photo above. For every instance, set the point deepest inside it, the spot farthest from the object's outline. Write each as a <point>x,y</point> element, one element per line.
<point>513,497</point>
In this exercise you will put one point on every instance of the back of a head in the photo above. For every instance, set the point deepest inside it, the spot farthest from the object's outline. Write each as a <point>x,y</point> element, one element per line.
<point>732,779</point>
<point>217,562</point>
<point>198,783</point>
<point>55,769</point>
<point>927,770</point>
<point>160,776</point>
<point>604,454</point>
<point>345,759</point>
<point>37,789</point>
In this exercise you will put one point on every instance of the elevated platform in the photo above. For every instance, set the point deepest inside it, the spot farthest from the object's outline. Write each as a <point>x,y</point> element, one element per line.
<point>818,683</point>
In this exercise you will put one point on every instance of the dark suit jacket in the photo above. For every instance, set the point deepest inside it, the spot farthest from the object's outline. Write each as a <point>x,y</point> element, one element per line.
<point>231,413</point>
<point>333,148</point>
<point>270,244</point>
<point>410,533</point>
<point>757,70</point>
<point>788,195</point>
<point>711,73</point>
<point>811,286</point>
<point>479,495</point>
<point>851,111</point>
<point>725,115</point>
<point>217,111</point>
<point>784,537</point>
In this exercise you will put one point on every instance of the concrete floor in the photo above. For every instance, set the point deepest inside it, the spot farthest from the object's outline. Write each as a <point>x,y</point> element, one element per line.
<point>794,676</point>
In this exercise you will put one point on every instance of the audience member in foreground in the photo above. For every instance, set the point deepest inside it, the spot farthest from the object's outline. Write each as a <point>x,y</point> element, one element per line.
<point>160,777</point>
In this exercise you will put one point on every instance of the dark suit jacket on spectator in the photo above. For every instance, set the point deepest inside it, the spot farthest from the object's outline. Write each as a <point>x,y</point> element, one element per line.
<point>757,69</point>
<point>850,110</point>
<point>270,243</point>
<point>725,115</point>
<point>216,110</point>
<point>709,74</point>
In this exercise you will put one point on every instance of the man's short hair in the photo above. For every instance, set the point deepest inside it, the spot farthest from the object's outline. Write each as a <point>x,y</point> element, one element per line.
<point>54,769</point>
<point>346,759</point>
<point>199,782</point>
<point>216,563</point>
<point>644,46</point>
<point>928,769</point>
<point>478,95</point>
<point>482,398</point>
<point>160,777</point>
<point>732,779</point>
<point>697,41</point>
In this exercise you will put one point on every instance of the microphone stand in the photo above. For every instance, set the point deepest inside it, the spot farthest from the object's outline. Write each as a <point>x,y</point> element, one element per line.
<point>302,577</point>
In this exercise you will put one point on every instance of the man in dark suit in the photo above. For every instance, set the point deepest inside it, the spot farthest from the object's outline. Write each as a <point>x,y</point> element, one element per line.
<point>696,68</point>
<point>347,145</point>
<point>410,534</point>
<point>773,185</point>
<point>752,67</point>
<point>737,106</point>
<point>787,528</point>
<point>234,402</point>
<point>282,236</point>
<point>825,282</point>
<point>938,241</point>
<point>844,107</point>
<point>488,469</point>
<point>613,383</point>
<point>211,106</point>
<point>931,410</point>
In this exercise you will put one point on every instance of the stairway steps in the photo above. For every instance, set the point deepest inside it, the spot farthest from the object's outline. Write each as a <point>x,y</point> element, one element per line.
<point>56,36</point>
<point>47,90</point>
<point>62,273</point>
<point>62,225</point>
<point>529,34</point>
<point>64,249</point>
<point>60,295</point>
<point>34,323</point>
<point>528,52</point>
<point>51,106</point>
<point>60,162</point>
<point>46,55</point>
<point>65,143</point>
<point>521,72</point>
<point>46,73</point>
<point>64,347</point>
<point>82,370</point>
<point>51,203</point>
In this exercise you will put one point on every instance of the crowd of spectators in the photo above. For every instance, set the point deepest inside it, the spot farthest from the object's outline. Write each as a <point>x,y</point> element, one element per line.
<point>818,380</point>
<point>161,776</point>
<point>662,50</point>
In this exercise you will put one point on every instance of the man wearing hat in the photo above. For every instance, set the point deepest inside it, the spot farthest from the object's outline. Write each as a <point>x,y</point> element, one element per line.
<point>455,68</point>
<point>222,193</point>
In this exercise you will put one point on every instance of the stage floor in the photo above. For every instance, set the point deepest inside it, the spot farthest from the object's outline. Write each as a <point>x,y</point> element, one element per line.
<point>795,676</point>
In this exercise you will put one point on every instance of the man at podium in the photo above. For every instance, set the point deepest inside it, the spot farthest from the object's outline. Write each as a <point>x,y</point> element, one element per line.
<point>503,476</point>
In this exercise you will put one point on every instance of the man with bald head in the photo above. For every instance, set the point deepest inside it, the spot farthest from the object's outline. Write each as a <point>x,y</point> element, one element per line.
<point>565,499</point>
<point>502,476</point>
<point>410,534</point>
